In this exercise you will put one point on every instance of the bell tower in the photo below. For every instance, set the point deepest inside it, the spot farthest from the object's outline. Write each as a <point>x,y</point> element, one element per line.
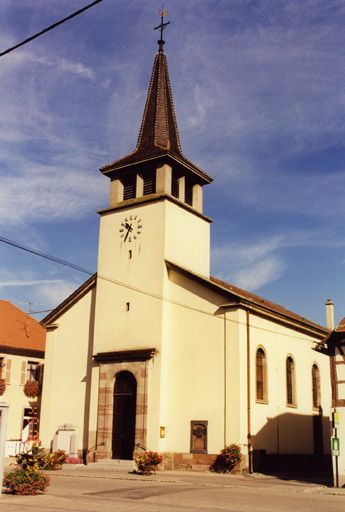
<point>157,166</point>
<point>155,216</point>
<point>155,213</point>
<point>158,172</point>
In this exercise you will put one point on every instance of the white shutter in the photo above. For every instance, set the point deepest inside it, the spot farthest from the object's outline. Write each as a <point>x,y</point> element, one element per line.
<point>23,373</point>
<point>8,368</point>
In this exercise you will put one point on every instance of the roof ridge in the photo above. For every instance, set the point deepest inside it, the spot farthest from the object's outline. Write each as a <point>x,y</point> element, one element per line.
<point>261,300</point>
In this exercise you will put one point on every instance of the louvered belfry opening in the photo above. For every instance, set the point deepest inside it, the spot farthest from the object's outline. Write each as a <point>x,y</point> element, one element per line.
<point>174,184</point>
<point>129,187</point>
<point>149,179</point>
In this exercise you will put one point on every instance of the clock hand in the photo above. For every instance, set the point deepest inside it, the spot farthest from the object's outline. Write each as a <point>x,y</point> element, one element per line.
<point>129,229</point>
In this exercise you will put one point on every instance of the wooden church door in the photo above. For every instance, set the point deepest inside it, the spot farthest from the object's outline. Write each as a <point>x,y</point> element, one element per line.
<point>124,415</point>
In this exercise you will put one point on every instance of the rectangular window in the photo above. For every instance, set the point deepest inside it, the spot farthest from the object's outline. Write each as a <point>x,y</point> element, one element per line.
<point>149,182</point>
<point>198,436</point>
<point>32,371</point>
<point>129,187</point>
<point>30,424</point>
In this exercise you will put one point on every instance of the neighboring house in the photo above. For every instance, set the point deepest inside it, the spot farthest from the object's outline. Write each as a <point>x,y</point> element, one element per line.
<point>22,345</point>
<point>154,351</point>
<point>334,346</point>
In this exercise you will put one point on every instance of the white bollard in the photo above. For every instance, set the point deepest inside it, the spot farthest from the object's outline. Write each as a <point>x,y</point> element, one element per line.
<point>3,428</point>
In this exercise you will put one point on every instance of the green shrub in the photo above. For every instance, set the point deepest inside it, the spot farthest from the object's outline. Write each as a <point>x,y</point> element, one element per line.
<point>27,481</point>
<point>227,459</point>
<point>146,462</point>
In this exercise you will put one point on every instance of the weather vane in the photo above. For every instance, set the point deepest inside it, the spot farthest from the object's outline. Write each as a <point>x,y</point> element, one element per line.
<point>162,27</point>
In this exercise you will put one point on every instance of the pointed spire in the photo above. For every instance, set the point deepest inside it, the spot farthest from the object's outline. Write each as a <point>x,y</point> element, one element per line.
<point>158,135</point>
<point>159,127</point>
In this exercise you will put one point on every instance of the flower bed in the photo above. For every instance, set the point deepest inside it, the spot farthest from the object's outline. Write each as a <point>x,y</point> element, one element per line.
<point>27,481</point>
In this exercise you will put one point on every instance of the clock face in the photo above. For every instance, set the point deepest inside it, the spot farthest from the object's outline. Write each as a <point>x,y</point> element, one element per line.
<point>130,228</point>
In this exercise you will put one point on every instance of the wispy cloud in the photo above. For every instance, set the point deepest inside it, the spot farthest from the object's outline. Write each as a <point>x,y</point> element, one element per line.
<point>263,272</point>
<point>51,296</point>
<point>251,265</point>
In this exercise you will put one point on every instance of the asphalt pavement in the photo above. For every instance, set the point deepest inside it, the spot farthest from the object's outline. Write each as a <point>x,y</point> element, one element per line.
<point>84,489</point>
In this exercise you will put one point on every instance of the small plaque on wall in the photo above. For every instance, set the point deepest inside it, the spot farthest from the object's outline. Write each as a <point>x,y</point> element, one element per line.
<point>198,437</point>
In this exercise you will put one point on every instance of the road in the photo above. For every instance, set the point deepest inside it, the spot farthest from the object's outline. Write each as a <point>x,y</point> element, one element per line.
<point>83,491</point>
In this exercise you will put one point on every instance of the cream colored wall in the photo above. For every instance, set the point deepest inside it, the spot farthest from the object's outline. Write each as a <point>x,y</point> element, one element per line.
<point>187,241</point>
<point>64,388</point>
<point>277,427</point>
<point>168,232</point>
<point>193,366</point>
<point>14,395</point>
<point>192,386</point>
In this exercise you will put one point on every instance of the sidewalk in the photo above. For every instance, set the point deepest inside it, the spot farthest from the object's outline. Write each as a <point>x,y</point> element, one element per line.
<point>196,478</point>
<point>87,489</point>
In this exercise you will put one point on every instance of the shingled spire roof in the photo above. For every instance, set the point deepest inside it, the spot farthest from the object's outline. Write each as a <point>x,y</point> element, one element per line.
<point>158,134</point>
<point>159,127</point>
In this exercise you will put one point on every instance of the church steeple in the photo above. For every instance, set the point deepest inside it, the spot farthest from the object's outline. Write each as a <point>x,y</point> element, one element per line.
<point>159,128</point>
<point>158,145</point>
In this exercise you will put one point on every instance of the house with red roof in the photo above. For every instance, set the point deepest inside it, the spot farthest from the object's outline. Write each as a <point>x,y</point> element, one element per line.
<point>22,347</point>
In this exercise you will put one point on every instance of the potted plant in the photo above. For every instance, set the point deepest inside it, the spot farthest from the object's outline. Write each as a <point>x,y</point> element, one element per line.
<point>147,461</point>
<point>31,389</point>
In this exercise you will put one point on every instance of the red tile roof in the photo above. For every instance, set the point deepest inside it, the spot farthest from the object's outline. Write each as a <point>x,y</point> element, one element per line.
<point>260,301</point>
<point>236,296</point>
<point>19,330</point>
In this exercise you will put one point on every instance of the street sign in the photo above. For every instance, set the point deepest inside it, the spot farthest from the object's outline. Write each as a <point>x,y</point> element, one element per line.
<point>335,446</point>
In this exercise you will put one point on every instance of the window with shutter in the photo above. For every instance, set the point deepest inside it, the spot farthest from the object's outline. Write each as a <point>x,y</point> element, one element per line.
<point>23,373</point>
<point>32,371</point>
<point>8,367</point>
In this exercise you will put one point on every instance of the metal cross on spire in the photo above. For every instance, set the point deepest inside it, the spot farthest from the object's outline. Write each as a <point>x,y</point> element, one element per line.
<point>162,27</point>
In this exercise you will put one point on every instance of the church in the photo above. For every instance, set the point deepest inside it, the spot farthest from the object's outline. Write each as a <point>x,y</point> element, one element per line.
<point>154,352</point>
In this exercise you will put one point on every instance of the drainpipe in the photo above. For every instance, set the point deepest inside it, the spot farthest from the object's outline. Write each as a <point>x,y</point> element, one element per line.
<point>329,314</point>
<point>249,435</point>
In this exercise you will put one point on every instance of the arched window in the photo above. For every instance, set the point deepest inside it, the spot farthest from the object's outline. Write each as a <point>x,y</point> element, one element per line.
<point>315,374</point>
<point>290,381</point>
<point>261,375</point>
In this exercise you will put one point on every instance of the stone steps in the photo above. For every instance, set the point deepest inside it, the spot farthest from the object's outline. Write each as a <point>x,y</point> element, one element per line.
<point>111,465</point>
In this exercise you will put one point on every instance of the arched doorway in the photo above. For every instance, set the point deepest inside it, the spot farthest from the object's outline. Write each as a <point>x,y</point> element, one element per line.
<point>124,414</point>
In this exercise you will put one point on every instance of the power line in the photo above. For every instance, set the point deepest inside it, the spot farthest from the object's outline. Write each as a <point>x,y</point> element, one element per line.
<point>31,38</point>
<point>44,255</point>
<point>136,289</point>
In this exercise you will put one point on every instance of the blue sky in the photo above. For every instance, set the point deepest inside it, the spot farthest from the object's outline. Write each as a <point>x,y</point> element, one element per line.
<point>259,94</point>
